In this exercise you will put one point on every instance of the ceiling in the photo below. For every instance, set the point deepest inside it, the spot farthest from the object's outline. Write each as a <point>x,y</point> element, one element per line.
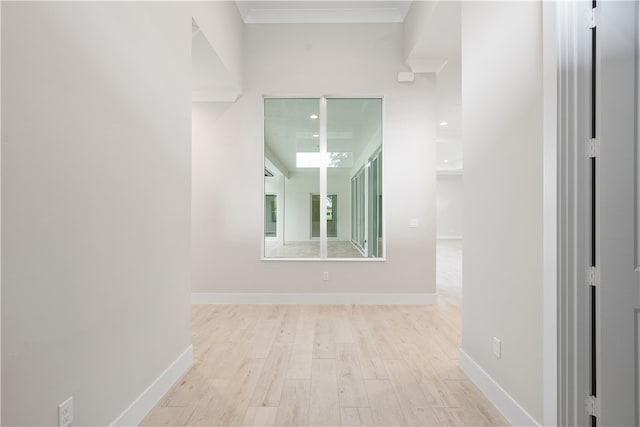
<point>309,11</point>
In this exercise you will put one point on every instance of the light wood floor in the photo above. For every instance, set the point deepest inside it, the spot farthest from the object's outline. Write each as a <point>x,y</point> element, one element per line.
<point>328,365</point>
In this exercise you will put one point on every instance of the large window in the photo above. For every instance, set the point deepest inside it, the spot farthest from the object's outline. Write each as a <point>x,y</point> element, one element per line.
<point>323,178</point>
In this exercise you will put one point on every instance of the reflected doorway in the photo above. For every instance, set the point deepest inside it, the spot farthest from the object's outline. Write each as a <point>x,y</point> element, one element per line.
<point>332,216</point>
<point>271,215</point>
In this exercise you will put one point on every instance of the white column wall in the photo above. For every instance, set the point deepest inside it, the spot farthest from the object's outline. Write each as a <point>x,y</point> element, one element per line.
<point>449,206</point>
<point>503,204</point>
<point>96,175</point>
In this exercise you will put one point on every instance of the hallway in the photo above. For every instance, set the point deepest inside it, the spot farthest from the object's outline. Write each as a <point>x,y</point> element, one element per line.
<point>330,365</point>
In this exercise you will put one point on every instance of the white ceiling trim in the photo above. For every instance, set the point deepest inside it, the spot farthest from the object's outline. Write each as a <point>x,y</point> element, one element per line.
<point>310,12</point>
<point>323,16</point>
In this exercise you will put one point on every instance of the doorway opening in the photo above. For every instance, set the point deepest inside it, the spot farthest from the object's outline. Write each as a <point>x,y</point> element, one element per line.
<point>332,216</point>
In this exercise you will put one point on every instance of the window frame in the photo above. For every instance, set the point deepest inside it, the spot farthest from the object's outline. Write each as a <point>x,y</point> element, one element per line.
<point>323,179</point>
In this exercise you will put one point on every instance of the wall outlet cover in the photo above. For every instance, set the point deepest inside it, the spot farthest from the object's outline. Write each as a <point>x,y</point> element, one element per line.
<point>65,413</point>
<point>497,347</point>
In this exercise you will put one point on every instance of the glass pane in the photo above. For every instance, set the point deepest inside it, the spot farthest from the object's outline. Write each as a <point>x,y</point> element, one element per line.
<point>271,215</point>
<point>292,175</point>
<point>379,198</point>
<point>358,212</point>
<point>315,216</point>
<point>354,141</point>
<point>332,216</point>
<point>375,207</point>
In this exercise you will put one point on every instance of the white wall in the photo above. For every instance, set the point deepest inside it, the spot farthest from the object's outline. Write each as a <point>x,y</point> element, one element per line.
<point>502,133</point>
<point>313,60</point>
<point>96,176</point>
<point>0,214</point>
<point>210,79</point>
<point>221,24</point>
<point>414,28</point>
<point>432,41</point>
<point>299,187</point>
<point>449,97</point>
<point>449,201</point>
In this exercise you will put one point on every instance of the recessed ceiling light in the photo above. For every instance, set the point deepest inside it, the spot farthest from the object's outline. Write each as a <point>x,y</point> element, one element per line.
<point>313,117</point>
<point>446,161</point>
<point>315,135</point>
<point>443,124</point>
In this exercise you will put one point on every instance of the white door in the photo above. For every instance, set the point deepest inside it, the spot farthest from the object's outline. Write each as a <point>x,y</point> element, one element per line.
<point>617,295</point>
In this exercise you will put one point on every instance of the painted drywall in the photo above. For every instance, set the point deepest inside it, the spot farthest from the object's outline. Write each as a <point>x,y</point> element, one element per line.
<point>209,78</point>
<point>227,147</point>
<point>432,39</point>
<point>503,149</point>
<point>0,213</point>
<point>449,201</point>
<point>221,24</point>
<point>96,103</point>
<point>550,42</point>
<point>414,28</point>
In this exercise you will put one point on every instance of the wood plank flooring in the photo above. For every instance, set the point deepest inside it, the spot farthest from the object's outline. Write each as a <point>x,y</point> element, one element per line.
<point>330,365</point>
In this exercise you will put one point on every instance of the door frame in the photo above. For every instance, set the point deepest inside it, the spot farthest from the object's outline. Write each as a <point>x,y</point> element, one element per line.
<point>334,215</point>
<point>551,214</point>
<point>574,216</point>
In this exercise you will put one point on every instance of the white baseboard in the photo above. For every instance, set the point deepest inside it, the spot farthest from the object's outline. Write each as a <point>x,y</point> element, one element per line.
<point>452,237</point>
<point>135,413</point>
<point>510,409</point>
<point>324,298</point>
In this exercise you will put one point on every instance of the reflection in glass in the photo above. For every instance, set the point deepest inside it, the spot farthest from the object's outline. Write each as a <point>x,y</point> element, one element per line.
<point>354,146</point>
<point>332,217</point>
<point>291,137</point>
<point>271,215</point>
<point>294,157</point>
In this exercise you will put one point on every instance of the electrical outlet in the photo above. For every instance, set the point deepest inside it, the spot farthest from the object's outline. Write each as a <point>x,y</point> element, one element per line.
<point>65,413</point>
<point>414,223</point>
<point>325,276</point>
<point>497,348</point>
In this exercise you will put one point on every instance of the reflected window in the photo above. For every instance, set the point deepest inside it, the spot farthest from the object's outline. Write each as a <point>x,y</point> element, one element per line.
<point>366,215</point>
<point>323,189</point>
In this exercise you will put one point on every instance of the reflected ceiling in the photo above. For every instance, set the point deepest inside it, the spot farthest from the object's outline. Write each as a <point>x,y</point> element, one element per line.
<point>292,131</point>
